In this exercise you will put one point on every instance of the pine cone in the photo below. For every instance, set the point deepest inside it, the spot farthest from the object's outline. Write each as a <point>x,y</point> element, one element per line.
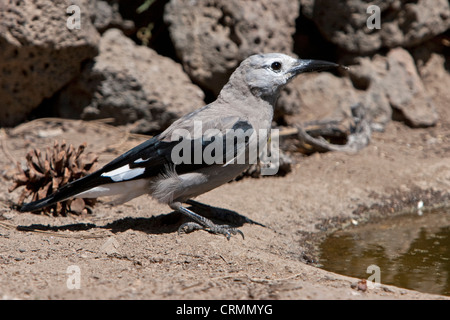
<point>46,172</point>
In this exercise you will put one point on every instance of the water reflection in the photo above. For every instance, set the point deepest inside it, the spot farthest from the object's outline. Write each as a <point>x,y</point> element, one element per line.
<point>412,251</point>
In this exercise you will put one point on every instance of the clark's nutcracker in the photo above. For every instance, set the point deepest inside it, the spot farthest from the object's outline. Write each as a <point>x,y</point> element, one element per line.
<point>245,103</point>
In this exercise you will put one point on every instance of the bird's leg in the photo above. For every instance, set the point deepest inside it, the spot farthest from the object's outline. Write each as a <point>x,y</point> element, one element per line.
<point>202,223</point>
<point>223,214</point>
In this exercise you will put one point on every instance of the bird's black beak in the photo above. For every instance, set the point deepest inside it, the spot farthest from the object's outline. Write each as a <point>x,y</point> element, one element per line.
<point>311,65</point>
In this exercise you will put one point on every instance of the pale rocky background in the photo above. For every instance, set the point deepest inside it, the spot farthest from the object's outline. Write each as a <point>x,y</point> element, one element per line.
<point>98,71</point>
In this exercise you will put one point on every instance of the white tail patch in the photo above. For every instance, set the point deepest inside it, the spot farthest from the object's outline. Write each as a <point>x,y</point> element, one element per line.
<point>127,189</point>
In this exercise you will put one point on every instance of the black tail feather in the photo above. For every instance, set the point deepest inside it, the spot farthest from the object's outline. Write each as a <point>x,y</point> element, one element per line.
<point>36,205</point>
<point>69,190</point>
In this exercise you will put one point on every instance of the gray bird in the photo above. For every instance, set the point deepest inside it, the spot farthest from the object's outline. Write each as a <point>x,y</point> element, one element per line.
<point>244,105</point>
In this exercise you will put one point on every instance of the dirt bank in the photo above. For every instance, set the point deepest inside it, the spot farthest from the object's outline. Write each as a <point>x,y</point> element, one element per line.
<point>133,251</point>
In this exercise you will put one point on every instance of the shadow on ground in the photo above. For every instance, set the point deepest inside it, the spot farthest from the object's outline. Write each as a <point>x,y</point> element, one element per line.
<point>163,223</point>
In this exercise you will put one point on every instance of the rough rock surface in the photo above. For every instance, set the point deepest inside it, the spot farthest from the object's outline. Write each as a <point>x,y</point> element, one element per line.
<point>39,54</point>
<point>324,97</point>
<point>394,78</point>
<point>132,84</point>
<point>432,60</point>
<point>213,36</point>
<point>402,22</point>
<point>406,92</point>
<point>105,15</point>
<point>387,86</point>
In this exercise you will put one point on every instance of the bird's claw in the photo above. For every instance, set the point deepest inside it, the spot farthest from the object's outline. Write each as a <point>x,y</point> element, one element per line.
<point>226,230</point>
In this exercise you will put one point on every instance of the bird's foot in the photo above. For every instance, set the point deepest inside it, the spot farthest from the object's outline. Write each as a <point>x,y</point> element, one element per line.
<point>211,227</point>
<point>202,223</point>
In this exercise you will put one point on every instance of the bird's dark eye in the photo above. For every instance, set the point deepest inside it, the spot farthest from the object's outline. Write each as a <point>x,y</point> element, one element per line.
<point>276,66</point>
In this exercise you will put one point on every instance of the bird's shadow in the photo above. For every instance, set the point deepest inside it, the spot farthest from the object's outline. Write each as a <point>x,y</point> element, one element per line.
<point>163,223</point>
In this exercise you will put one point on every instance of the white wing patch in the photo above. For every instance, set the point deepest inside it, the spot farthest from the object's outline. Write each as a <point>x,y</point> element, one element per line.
<point>123,173</point>
<point>140,160</point>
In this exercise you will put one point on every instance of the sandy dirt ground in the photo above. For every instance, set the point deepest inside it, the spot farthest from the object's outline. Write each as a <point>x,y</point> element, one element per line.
<point>133,251</point>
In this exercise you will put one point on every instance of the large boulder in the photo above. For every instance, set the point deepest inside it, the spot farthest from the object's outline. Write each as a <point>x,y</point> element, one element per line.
<point>402,22</point>
<point>394,78</point>
<point>387,86</point>
<point>432,64</point>
<point>324,96</point>
<point>39,53</point>
<point>212,37</point>
<point>132,84</point>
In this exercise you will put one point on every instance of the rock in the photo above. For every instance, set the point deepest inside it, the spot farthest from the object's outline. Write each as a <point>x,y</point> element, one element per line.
<point>39,54</point>
<point>406,92</point>
<point>323,96</point>
<point>212,37</point>
<point>387,86</point>
<point>110,247</point>
<point>394,79</point>
<point>105,15</point>
<point>436,79</point>
<point>402,23</point>
<point>327,106</point>
<point>132,84</point>
<point>367,78</point>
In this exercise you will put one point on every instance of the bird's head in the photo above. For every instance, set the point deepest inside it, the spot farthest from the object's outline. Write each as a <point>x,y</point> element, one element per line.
<point>266,74</point>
